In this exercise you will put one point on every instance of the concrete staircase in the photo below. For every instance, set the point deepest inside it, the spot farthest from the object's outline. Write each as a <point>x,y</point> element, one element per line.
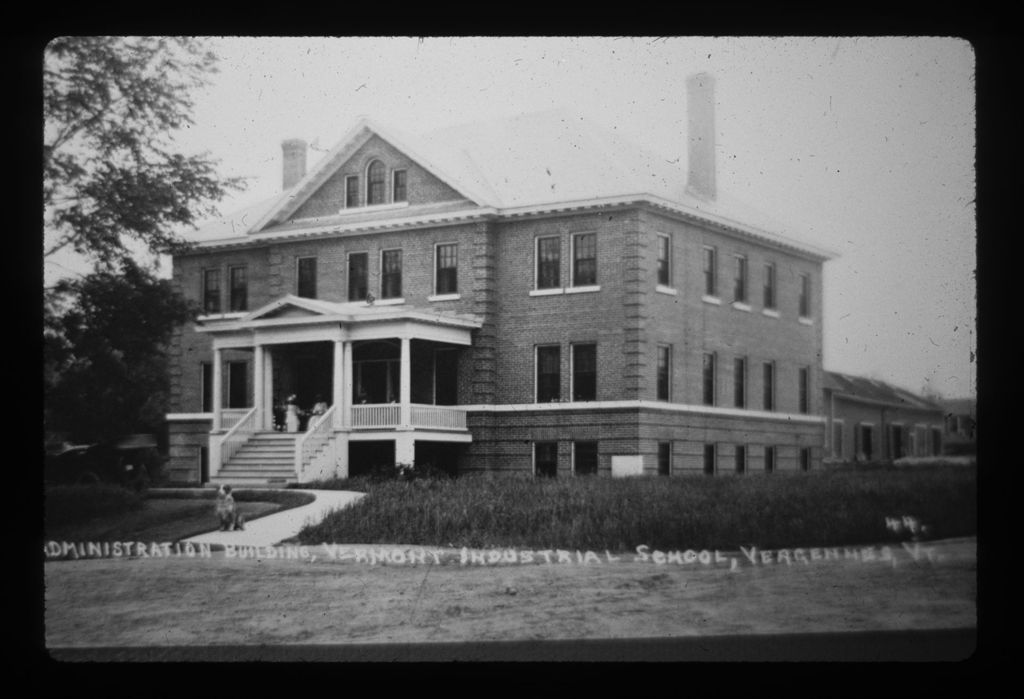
<point>267,459</point>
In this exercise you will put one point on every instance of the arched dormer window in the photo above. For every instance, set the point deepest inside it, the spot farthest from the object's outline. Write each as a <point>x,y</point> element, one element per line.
<point>375,183</point>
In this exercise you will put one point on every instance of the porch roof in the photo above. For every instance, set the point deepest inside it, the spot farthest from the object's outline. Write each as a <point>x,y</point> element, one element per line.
<point>296,319</point>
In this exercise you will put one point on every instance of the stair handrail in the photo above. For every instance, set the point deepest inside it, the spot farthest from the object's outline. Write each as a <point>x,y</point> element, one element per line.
<point>313,440</point>
<point>234,438</point>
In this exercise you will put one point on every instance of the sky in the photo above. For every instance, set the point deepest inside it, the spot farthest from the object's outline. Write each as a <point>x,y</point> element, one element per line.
<point>864,145</point>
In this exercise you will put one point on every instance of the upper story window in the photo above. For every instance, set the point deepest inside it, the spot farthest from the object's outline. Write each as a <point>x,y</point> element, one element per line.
<point>391,274</point>
<point>805,296</point>
<point>398,191</point>
<point>351,191</point>
<point>306,278</point>
<point>805,390</point>
<point>357,276</point>
<point>740,286</point>
<point>446,276</point>
<point>769,285</point>
<point>739,377</point>
<point>239,288</point>
<point>664,260</point>
<point>211,291</point>
<point>549,373</point>
<point>709,378</point>
<point>549,262</point>
<point>584,372</point>
<point>375,183</point>
<point>710,271</point>
<point>768,384</point>
<point>584,259</point>
<point>664,372</point>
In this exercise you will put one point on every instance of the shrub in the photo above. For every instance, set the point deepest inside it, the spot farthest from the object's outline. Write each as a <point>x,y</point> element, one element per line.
<point>76,503</point>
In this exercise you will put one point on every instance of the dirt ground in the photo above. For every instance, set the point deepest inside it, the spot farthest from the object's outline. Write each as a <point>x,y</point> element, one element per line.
<point>233,600</point>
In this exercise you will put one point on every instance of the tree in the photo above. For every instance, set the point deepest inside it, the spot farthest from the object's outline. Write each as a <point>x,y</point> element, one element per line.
<point>115,186</point>
<point>111,173</point>
<point>105,368</point>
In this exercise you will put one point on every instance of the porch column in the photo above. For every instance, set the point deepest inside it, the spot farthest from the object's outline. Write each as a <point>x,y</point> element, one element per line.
<point>268,388</point>
<point>405,387</point>
<point>337,386</point>
<point>217,388</point>
<point>347,383</point>
<point>258,393</point>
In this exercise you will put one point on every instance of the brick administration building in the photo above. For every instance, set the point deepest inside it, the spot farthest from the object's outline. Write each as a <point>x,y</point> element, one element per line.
<point>531,294</point>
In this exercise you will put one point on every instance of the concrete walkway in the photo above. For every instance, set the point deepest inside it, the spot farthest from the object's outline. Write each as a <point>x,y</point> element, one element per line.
<point>275,528</point>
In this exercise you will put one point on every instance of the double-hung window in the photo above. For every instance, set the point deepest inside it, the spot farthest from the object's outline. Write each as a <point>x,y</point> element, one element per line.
<point>710,271</point>
<point>211,291</point>
<point>739,379</point>
<point>664,372</point>
<point>768,384</point>
<point>446,274</point>
<point>740,285</point>
<point>805,296</point>
<point>306,277</point>
<point>375,183</point>
<point>805,390</point>
<point>549,359</point>
<point>584,458</point>
<point>398,191</point>
<point>584,259</point>
<point>549,262</point>
<point>239,288</point>
<point>351,191</point>
<point>664,260</point>
<point>769,286</point>
<point>709,378</point>
<point>391,274</point>
<point>357,276</point>
<point>584,372</point>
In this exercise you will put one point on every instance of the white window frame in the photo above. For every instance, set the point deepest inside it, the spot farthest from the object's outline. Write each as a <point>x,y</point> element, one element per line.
<point>808,317</point>
<point>348,274</point>
<point>316,275</point>
<point>380,280</point>
<point>366,182</point>
<point>744,383</point>
<point>445,297</point>
<point>657,350</point>
<point>391,184</point>
<point>669,288</point>
<point>714,379</point>
<point>572,369</point>
<point>358,191</point>
<point>560,289</point>
<point>714,298</point>
<point>536,370</point>
<point>571,287</point>
<point>744,303</point>
<point>772,310</point>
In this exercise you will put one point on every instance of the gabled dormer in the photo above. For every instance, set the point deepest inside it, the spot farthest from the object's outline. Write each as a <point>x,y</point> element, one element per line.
<point>372,169</point>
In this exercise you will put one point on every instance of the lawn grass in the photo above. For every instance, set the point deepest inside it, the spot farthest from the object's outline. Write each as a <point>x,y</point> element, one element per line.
<point>779,510</point>
<point>101,513</point>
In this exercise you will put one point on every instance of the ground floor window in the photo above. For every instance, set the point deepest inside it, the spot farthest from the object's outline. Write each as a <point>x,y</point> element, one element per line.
<point>936,441</point>
<point>805,459</point>
<point>709,459</point>
<point>769,459</point>
<point>545,459</point>
<point>837,440</point>
<point>664,458</point>
<point>741,458</point>
<point>864,446</point>
<point>584,458</point>
<point>207,387</point>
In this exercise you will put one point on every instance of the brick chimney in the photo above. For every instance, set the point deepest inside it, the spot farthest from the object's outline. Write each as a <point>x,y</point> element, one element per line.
<point>700,96</point>
<point>293,153</point>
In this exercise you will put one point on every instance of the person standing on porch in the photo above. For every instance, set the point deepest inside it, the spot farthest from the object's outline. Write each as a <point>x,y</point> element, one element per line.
<point>320,407</point>
<point>291,418</point>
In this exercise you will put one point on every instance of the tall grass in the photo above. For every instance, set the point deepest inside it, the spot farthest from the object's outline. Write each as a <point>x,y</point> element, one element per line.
<point>64,504</point>
<point>777,510</point>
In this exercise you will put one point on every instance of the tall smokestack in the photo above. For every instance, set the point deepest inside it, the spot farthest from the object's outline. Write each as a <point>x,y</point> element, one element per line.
<point>294,158</point>
<point>700,96</point>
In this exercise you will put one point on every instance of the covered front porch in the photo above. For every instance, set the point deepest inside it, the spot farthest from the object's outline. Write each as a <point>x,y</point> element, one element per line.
<point>355,371</point>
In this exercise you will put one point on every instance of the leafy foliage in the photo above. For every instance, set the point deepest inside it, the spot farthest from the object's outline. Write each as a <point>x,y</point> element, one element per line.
<point>111,106</point>
<point>105,364</point>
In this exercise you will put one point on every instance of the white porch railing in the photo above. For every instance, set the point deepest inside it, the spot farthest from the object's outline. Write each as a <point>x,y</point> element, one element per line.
<point>376,415</point>
<point>223,447</point>
<point>314,440</point>
<point>439,416</point>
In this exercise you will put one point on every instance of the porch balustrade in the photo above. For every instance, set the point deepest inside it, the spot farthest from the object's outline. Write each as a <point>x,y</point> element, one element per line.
<point>438,416</point>
<point>314,440</point>
<point>223,447</point>
<point>376,415</point>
